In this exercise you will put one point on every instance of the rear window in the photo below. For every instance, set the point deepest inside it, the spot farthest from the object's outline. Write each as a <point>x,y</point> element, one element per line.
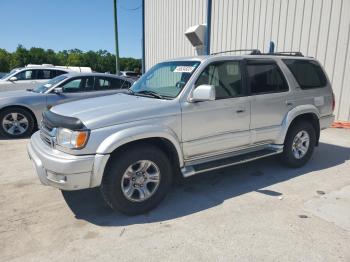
<point>308,74</point>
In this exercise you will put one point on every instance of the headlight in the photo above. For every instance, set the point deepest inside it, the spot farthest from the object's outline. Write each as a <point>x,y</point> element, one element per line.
<point>72,139</point>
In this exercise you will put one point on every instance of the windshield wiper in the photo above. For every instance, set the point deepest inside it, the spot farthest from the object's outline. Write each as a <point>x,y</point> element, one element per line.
<point>148,92</point>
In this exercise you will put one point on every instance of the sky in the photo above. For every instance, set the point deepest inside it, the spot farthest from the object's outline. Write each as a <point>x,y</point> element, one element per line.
<point>68,24</point>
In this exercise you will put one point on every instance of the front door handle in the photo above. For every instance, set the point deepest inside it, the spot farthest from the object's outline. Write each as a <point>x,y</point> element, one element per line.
<point>240,111</point>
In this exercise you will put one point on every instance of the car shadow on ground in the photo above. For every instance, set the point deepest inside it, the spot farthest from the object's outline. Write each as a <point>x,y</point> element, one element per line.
<point>207,190</point>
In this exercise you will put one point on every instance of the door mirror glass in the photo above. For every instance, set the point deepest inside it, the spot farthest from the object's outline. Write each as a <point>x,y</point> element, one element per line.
<point>58,90</point>
<point>12,79</point>
<point>203,93</point>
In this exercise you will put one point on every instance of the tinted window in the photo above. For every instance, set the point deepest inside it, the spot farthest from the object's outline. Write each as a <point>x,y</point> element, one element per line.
<point>225,76</point>
<point>265,78</point>
<point>126,84</point>
<point>78,85</point>
<point>26,75</point>
<point>58,73</point>
<point>307,73</point>
<point>103,83</point>
<point>44,74</point>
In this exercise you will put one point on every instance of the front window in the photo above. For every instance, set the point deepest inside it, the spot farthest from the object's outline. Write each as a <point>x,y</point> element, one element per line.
<point>26,75</point>
<point>43,88</point>
<point>225,76</point>
<point>166,79</point>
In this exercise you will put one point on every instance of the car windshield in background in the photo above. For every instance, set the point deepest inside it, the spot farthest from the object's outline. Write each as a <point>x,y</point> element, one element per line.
<point>8,74</point>
<point>43,88</point>
<point>165,79</point>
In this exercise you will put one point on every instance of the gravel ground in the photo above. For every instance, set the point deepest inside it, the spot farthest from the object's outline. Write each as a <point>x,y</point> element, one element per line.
<point>260,211</point>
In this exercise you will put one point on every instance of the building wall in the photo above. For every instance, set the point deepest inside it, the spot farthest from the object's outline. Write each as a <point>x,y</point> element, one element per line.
<point>165,24</point>
<point>318,28</point>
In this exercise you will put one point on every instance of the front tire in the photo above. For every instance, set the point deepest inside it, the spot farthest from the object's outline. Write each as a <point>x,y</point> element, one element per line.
<point>299,144</point>
<point>16,122</point>
<point>137,179</point>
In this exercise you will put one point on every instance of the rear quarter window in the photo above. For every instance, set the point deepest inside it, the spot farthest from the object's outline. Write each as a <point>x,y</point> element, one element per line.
<point>308,74</point>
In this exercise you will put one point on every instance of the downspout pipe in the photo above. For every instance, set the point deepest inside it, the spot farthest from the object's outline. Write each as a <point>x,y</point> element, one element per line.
<point>207,42</point>
<point>143,38</point>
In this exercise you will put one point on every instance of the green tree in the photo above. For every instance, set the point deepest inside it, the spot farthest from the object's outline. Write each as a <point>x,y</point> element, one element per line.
<point>20,57</point>
<point>5,60</point>
<point>100,61</point>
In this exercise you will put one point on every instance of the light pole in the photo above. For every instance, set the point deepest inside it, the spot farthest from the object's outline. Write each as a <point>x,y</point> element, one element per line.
<point>116,38</point>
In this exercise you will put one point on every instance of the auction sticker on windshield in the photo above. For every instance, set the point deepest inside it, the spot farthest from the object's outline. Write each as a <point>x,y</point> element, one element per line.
<point>184,69</point>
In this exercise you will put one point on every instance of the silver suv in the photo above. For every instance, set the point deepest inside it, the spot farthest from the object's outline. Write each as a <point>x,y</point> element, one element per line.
<point>185,116</point>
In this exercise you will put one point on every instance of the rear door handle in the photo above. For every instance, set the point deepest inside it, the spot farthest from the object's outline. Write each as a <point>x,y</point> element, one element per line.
<point>240,111</point>
<point>288,103</point>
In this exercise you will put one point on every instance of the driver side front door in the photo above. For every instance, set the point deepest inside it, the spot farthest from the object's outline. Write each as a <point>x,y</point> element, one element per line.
<point>211,128</point>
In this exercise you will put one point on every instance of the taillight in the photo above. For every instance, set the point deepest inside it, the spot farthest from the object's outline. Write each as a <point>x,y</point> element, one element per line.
<point>333,102</point>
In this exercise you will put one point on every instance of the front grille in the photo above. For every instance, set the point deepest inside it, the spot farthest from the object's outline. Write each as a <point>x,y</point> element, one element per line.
<point>48,134</point>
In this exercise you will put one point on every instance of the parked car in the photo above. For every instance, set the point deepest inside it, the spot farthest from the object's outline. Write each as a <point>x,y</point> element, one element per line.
<point>185,116</point>
<point>32,75</point>
<point>21,110</point>
<point>130,74</point>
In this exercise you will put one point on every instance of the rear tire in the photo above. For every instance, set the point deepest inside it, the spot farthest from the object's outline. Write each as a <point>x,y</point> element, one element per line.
<point>16,122</point>
<point>299,144</point>
<point>129,186</point>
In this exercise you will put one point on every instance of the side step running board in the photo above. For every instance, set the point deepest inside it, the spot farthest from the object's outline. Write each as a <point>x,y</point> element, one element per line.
<point>229,161</point>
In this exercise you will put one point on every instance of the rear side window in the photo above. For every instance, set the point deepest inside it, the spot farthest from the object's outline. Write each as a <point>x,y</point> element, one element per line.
<point>44,74</point>
<point>106,83</point>
<point>265,78</point>
<point>57,73</point>
<point>308,74</point>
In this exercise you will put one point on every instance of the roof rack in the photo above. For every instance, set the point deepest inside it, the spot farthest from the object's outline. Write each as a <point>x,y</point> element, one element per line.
<point>258,52</point>
<point>287,53</point>
<point>252,51</point>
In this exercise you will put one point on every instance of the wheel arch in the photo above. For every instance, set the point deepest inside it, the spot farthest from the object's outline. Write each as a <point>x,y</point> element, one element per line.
<point>159,135</point>
<point>162,137</point>
<point>307,113</point>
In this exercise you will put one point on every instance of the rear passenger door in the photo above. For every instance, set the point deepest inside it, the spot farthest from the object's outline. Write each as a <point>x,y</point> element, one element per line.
<point>269,93</point>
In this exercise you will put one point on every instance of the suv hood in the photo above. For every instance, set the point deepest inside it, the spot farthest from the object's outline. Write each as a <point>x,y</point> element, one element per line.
<point>116,109</point>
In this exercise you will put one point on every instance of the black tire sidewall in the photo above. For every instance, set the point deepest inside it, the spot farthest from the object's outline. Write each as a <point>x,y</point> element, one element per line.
<point>22,111</point>
<point>111,183</point>
<point>288,156</point>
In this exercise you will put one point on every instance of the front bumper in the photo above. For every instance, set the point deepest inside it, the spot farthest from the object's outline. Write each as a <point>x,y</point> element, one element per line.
<point>65,171</point>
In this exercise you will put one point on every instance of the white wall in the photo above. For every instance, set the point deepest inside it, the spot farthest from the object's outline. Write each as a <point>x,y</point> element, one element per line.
<point>318,28</point>
<point>165,24</point>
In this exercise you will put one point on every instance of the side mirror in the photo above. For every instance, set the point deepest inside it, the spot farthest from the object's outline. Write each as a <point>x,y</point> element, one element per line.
<point>58,90</point>
<point>203,93</point>
<point>13,79</point>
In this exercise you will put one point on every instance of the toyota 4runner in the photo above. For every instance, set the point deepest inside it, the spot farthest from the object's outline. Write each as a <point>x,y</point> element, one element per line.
<point>184,116</point>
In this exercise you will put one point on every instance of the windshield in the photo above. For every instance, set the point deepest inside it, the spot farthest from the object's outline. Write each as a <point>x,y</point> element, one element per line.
<point>165,79</point>
<point>43,88</point>
<point>8,74</point>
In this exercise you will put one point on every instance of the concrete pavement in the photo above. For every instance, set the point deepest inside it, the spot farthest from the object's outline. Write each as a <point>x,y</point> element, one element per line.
<point>260,211</point>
